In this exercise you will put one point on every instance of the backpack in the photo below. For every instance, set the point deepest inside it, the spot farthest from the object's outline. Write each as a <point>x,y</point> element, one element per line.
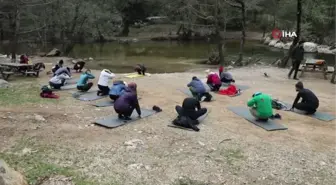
<point>46,89</point>
<point>276,104</point>
<point>186,122</point>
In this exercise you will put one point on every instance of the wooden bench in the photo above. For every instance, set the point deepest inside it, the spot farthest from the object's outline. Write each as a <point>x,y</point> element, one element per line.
<point>5,74</point>
<point>313,65</point>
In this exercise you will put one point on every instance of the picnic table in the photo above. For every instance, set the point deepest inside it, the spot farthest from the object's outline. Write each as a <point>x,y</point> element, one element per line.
<point>8,69</point>
<point>313,64</point>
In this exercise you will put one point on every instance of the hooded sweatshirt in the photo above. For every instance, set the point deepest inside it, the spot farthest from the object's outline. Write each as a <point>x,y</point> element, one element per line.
<point>226,75</point>
<point>128,100</point>
<point>104,77</point>
<point>84,78</point>
<point>197,86</point>
<point>118,88</point>
<point>263,104</point>
<point>213,78</point>
<point>58,78</point>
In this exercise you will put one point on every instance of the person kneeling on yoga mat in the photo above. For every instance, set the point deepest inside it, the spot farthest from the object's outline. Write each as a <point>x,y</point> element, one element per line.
<point>261,106</point>
<point>82,84</point>
<point>127,102</point>
<point>117,89</point>
<point>58,81</point>
<point>141,69</point>
<point>226,77</point>
<point>213,81</point>
<point>198,90</point>
<point>63,70</point>
<point>189,113</point>
<point>105,76</point>
<point>309,102</point>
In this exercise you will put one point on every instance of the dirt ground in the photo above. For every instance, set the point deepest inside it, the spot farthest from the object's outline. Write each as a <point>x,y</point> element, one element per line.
<point>227,150</point>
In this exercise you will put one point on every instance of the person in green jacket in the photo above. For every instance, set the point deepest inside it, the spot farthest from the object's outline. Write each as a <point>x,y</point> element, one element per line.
<point>261,106</point>
<point>83,84</point>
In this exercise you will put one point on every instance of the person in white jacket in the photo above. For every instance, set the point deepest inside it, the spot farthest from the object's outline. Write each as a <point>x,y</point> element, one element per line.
<point>58,81</point>
<point>103,82</point>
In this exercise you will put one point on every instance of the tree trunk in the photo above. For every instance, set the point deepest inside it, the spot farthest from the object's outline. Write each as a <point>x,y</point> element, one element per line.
<point>125,30</point>
<point>284,61</point>
<point>242,39</point>
<point>15,25</point>
<point>333,75</point>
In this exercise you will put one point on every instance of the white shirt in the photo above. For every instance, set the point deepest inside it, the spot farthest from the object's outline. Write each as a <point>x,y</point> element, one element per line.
<point>58,78</point>
<point>104,77</point>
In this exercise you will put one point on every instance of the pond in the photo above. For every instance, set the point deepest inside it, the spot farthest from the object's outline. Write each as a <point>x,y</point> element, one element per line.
<point>161,57</point>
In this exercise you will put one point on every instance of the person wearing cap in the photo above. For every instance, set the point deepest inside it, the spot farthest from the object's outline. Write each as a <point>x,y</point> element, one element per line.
<point>117,89</point>
<point>83,84</point>
<point>141,69</point>
<point>127,102</point>
<point>297,57</point>
<point>261,106</point>
<point>213,81</point>
<point>309,103</point>
<point>198,90</point>
<point>105,76</point>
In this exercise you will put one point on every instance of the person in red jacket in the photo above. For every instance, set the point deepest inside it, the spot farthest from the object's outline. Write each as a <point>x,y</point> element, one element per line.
<point>214,81</point>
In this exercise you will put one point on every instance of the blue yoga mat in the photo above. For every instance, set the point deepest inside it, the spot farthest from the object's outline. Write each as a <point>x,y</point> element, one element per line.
<point>270,125</point>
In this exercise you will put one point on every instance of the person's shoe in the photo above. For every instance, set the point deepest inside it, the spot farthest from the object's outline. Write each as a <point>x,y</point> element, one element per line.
<point>120,116</point>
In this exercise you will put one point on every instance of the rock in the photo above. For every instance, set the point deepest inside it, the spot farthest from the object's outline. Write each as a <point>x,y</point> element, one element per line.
<point>324,49</point>
<point>333,51</point>
<point>39,118</point>
<point>136,166</point>
<point>267,40</point>
<point>4,83</point>
<point>322,163</point>
<point>57,180</point>
<point>54,53</point>
<point>287,45</point>
<point>9,176</point>
<point>273,42</point>
<point>310,47</point>
<point>279,45</point>
<point>200,143</point>
<point>90,58</point>
<point>229,67</point>
<point>134,143</point>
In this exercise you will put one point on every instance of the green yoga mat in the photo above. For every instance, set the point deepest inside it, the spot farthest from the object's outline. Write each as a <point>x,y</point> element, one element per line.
<point>270,125</point>
<point>317,115</point>
<point>114,121</point>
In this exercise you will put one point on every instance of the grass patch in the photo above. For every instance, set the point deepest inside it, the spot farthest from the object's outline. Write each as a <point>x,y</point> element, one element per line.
<point>23,94</point>
<point>33,166</point>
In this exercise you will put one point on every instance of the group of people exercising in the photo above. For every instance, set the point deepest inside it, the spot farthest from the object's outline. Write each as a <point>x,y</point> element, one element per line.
<point>126,100</point>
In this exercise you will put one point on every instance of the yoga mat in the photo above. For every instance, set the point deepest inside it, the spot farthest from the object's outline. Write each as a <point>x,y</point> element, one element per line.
<point>136,75</point>
<point>188,93</point>
<point>66,87</point>
<point>269,125</point>
<point>241,87</point>
<point>200,119</point>
<point>114,121</point>
<point>87,96</point>
<point>106,103</point>
<point>72,81</point>
<point>317,115</point>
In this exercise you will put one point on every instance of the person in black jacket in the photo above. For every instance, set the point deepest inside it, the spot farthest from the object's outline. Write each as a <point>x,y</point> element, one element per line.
<point>297,57</point>
<point>309,102</point>
<point>141,69</point>
<point>191,108</point>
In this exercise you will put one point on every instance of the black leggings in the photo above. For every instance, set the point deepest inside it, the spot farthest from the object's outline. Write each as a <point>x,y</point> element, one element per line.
<point>114,97</point>
<point>214,87</point>
<point>86,87</point>
<point>194,115</point>
<point>141,71</point>
<point>57,86</point>
<point>295,68</point>
<point>103,90</point>
<point>125,113</point>
<point>309,109</point>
